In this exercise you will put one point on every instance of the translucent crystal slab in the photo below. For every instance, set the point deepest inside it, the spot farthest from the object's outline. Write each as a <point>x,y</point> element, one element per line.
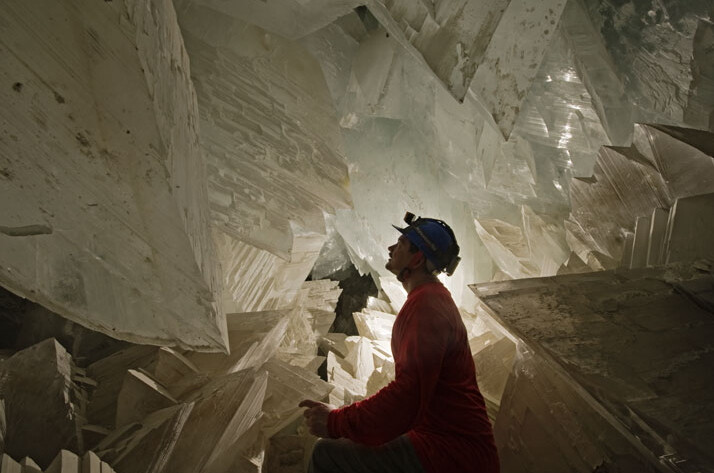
<point>394,291</point>
<point>273,144</point>
<point>380,305</point>
<point>595,67</point>
<point>684,157</point>
<point>287,386</point>
<point>511,61</point>
<point>507,246</point>
<point>662,164</point>
<point>574,265</point>
<point>493,367</point>
<point>254,338</point>
<point>334,342</point>
<point>374,324</point>
<point>171,366</point>
<point>147,446</point>
<point>255,279</point>
<point>656,390</point>
<point>640,242</point>
<point>109,374</point>
<point>105,218</point>
<point>7,464</point>
<point>223,411</point>
<point>139,396</point>
<point>288,18</point>
<point>534,398</point>
<point>379,378</point>
<point>690,231</point>
<point>450,36</point>
<point>360,357</point>
<point>655,244</point>
<point>42,403</point>
<point>347,387</point>
<point>558,116</point>
<point>334,255</point>
<point>321,295</point>
<point>249,412</point>
<point>334,48</point>
<point>65,462</point>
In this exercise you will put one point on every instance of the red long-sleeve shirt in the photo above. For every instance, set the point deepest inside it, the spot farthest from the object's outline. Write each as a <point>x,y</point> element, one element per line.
<point>434,397</point>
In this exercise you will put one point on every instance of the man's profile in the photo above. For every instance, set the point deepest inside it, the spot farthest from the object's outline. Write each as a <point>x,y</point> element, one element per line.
<point>432,417</point>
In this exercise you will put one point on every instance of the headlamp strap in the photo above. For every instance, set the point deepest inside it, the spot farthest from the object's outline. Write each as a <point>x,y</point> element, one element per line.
<point>424,237</point>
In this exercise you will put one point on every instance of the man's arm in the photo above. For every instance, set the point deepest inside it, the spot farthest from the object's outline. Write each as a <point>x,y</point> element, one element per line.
<point>397,407</point>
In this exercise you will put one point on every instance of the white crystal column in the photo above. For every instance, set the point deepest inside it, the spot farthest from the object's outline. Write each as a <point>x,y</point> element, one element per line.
<point>514,54</point>
<point>449,35</point>
<point>598,72</point>
<point>269,130</point>
<point>95,221</point>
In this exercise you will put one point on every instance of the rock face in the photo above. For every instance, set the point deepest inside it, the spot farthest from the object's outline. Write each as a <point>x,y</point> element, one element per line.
<point>653,396</point>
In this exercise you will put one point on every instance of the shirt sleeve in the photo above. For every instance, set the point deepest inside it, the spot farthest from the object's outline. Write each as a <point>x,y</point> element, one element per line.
<point>397,407</point>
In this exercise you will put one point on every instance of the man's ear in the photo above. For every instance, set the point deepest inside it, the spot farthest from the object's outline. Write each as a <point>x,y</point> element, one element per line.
<point>417,260</point>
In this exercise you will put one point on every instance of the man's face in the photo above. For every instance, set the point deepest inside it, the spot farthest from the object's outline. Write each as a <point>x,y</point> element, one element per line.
<point>399,255</point>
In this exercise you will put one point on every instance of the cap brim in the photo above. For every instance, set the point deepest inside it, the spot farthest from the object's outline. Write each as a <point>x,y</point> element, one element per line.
<point>403,231</point>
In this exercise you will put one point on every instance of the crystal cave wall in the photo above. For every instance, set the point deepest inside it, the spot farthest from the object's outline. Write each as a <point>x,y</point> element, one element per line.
<point>172,173</point>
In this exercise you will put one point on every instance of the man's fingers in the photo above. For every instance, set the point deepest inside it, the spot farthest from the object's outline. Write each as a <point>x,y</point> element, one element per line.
<point>309,403</point>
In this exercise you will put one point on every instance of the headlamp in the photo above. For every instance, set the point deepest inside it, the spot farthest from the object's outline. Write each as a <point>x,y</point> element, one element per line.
<point>444,255</point>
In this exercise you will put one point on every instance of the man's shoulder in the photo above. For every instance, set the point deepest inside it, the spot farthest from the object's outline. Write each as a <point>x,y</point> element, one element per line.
<point>432,298</point>
<point>431,292</point>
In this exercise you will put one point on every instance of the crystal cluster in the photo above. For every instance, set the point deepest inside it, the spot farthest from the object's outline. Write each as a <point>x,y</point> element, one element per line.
<point>149,409</point>
<point>173,171</point>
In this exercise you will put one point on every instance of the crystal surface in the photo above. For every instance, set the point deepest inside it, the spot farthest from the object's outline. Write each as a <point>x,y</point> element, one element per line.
<point>289,18</point>
<point>450,36</point>
<point>41,402</point>
<point>139,396</point>
<point>269,142</point>
<point>654,392</point>
<point>65,462</point>
<point>663,164</point>
<point>105,220</point>
<point>511,61</point>
<point>690,230</point>
<point>208,434</point>
<point>652,51</point>
<point>275,158</point>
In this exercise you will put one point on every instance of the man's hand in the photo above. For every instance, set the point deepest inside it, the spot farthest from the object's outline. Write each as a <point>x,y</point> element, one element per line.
<point>316,417</point>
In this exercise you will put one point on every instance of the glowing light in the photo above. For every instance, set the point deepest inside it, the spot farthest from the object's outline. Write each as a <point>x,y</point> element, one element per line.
<point>564,139</point>
<point>570,76</point>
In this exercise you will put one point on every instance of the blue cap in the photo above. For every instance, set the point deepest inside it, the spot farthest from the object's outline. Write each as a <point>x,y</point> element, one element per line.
<point>435,239</point>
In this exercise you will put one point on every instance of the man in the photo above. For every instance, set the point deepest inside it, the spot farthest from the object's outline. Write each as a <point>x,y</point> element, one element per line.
<point>432,417</point>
